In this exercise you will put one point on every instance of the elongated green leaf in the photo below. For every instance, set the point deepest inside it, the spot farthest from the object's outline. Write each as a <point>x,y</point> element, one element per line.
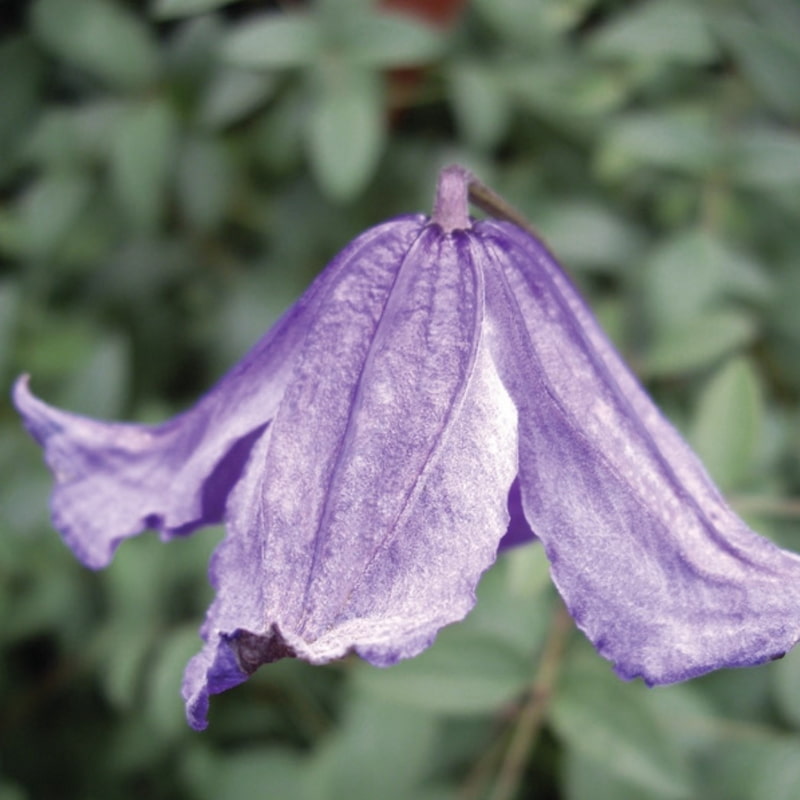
<point>346,132</point>
<point>480,103</point>
<point>381,750</point>
<point>699,342</point>
<point>767,158</point>
<point>21,72</point>
<point>565,90</point>
<point>274,41</point>
<point>99,386</point>
<point>9,306</point>
<point>530,23</point>
<point>172,9</point>
<point>695,270</point>
<point>205,182</point>
<point>587,235</point>
<point>141,162</point>
<point>770,58</point>
<point>390,40</point>
<point>610,722</point>
<point>249,771</point>
<point>755,767</point>
<point>728,422</point>
<point>49,208</point>
<point>72,137</point>
<point>233,94</point>
<point>463,673</point>
<point>163,704</point>
<point>125,649</point>
<point>100,36</point>
<point>668,30</point>
<point>785,680</point>
<point>682,140</point>
<point>585,778</point>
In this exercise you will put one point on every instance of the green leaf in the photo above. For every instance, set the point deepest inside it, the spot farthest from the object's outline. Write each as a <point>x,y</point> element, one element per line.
<point>728,422</point>
<point>9,307</point>
<point>141,162</point>
<point>755,767</point>
<point>699,342</point>
<point>785,674</point>
<point>21,73</point>
<point>610,722</point>
<point>346,131</point>
<point>205,182</point>
<point>695,270</point>
<point>173,9</point>
<point>585,777</point>
<point>98,387</point>
<point>233,94</point>
<point>381,750</point>
<point>49,208</point>
<point>389,40</point>
<point>769,58</point>
<point>278,134</point>
<point>678,139</point>
<point>463,673</point>
<point>57,345</point>
<point>479,102</point>
<point>766,158</point>
<point>74,136</point>
<point>99,36</point>
<point>587,235</point>
<point>124,651</point>
<point>163,704</point>
<point>279,772</point>
<point>565,90</point>
<point>274,41</point>
<point>530,24</point>
<point>660,30</point>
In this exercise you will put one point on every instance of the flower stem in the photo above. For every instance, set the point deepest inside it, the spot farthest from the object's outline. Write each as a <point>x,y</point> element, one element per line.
<point>494,205</point>
<point>451,207</point>
<point>532,716</point>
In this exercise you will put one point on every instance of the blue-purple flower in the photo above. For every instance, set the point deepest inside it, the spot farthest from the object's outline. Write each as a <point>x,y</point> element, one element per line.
<point>362,456</point>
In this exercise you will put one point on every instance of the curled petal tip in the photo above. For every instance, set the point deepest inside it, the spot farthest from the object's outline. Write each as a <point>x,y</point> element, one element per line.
<point>21,383</point>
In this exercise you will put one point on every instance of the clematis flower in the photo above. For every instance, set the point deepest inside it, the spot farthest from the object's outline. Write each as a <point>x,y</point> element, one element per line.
<point>362,456</point>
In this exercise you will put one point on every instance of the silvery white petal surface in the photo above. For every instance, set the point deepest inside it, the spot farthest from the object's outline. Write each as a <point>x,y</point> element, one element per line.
<point>661,575</point>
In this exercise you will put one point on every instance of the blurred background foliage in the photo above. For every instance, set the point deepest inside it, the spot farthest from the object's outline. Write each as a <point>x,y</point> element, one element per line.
<point>172,175</point>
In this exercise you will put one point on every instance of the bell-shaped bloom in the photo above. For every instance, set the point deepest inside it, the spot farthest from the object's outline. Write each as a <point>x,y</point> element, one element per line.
<point>441,385</point>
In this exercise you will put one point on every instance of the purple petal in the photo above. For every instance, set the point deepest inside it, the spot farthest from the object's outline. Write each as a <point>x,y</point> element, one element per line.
<point>113,480</point>
<point>519,532</point>
<point>656,569</point>
<point>368,512</point>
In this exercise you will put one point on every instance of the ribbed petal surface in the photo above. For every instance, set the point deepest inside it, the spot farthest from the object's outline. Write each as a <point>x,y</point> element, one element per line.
<point>113,480</point>
<point>662,576</point>
<point>367,514</point>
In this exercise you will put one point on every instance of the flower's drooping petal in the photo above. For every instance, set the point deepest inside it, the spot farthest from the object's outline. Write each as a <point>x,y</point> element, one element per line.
<point>113,480</point>
<point>660,574</point>
<point>367,514</point>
